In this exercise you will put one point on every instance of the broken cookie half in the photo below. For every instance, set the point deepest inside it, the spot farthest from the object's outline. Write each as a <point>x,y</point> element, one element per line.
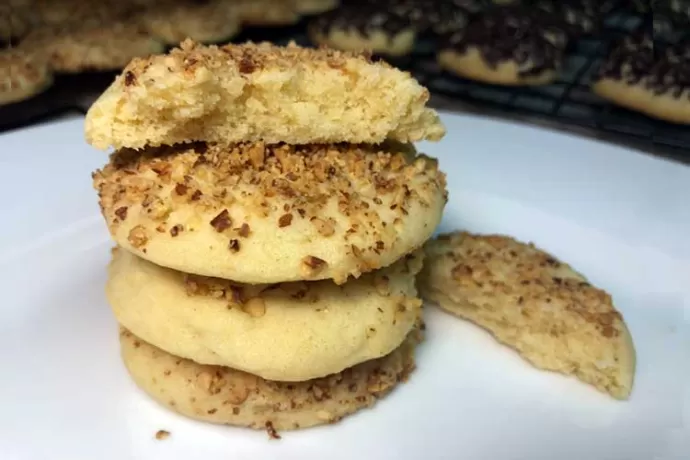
<point>532,302</point>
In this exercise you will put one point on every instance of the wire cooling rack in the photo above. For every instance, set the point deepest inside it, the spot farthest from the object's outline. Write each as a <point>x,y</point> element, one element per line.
<point>567,102</point>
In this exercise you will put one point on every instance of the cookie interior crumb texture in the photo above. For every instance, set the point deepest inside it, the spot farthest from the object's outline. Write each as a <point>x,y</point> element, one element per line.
<point>258,213</point>
<point>533,303</point>
<point>287,331</point>
<point>260,92</point>
<point>222,395</point>
<point>162,435</point>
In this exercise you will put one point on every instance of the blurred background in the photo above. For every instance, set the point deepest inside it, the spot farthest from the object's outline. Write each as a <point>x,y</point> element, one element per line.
<point>537,61</point>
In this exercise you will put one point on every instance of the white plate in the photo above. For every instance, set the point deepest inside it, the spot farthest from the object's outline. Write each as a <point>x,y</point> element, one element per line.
<point>620,217</point>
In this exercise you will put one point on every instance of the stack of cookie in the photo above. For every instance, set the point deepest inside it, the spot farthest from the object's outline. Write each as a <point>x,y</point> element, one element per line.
<point>268,207</point>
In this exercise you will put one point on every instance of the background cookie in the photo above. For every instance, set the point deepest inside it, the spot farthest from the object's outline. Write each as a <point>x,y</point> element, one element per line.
<point>163,100</point>
<point>222,395</point>
<point>90,48</point>
<point>533,303</point>
<point>505,46</point>
<point>82,13</point>
<point>15,22</point>
<point>266,12</point>
<point>286,332</point>
<point>439,17</point>
<point>292,213</point>
<point>646,76</point>
<point>313,6</point>
<point>574,17</point>
<point>209,22</point>
<point>22,76</point>
<point>363,27</point>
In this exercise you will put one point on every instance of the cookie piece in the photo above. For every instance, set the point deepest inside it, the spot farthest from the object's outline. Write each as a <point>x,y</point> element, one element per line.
<point>259,213</point>
<point>209,22</point>
<point>287,332</point>
<point>22,76</point>
<point>266,12</point>
<point>364,27</point>
<point>533,303</point>
<point>260,92</point>
<point>641,75</point>
<point>93,48</point>
<point>506,46</point>
<point>226,396</point>
<point>309,7</point>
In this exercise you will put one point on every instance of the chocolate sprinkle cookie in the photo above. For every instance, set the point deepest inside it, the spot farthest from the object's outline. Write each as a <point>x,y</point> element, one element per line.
<point>439,17</point>
<point>671,20</point>
<point>506,46</point>
<point>364,27</point>
<point>630,61</point>
<point>576,17</point>
<point>644,75</point>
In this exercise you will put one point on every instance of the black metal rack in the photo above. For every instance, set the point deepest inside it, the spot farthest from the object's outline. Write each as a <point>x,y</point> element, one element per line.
<point>567,101</point>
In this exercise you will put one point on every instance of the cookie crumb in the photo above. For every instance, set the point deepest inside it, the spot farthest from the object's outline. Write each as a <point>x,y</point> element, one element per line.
<point>312,265</point>
<point>162,435</point>
<point>222,221</point>
<point>272,433</point>
<point>285,220</point>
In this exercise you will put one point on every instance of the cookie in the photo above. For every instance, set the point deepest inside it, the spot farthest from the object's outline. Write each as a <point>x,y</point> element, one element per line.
<point>364,27</point>
<point>259,213</point>
<point>209,22</point>
<point>81,13</point>
<point>90,48</point>
<point>506,46</point>
<point>22,76</point>
<point>260,92</point>
<point>574,17</point>
<point>641,75</point>
<point>287,332</point>
<point>309,7</point>
<point>226,396</point>
<point>439,17</point>
<point>15,22</point>
<point>670,20</point>
<point>266,12</point>
<point>532,302</point>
